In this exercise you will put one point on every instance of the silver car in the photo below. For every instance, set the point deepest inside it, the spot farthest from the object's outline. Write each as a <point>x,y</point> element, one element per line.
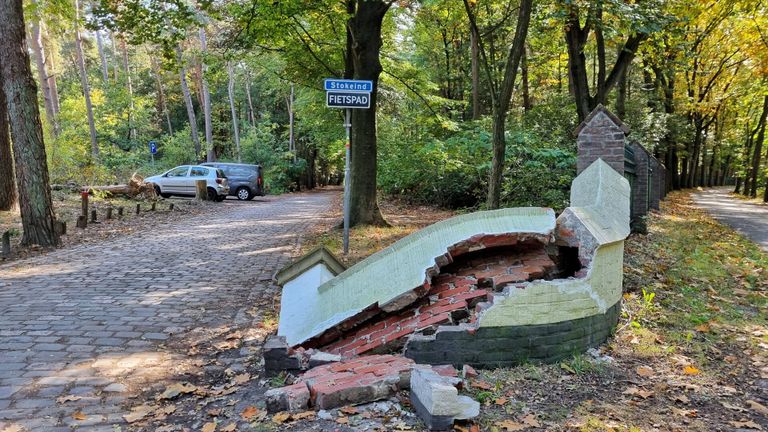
<point>181,181</point>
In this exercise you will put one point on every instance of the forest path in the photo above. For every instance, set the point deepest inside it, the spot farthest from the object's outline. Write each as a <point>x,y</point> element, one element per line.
<point>104,324</point>
<point>749,219</point>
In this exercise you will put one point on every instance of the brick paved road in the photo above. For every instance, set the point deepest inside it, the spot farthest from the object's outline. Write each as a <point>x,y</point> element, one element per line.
<point>99,321</point>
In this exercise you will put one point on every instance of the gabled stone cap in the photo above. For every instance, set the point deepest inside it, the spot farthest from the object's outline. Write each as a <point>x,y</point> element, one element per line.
<point>601,109</point>
<point>319,255</point>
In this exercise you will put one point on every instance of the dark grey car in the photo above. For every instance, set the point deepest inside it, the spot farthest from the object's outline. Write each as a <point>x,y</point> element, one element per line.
<point>245,181</point>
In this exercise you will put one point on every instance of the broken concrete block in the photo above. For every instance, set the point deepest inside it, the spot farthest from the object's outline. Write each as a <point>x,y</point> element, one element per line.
<point>437,401</point>
<point>319,358</point>
<point>279,357</point>
<point>292,398</point>
<point>468,371</point>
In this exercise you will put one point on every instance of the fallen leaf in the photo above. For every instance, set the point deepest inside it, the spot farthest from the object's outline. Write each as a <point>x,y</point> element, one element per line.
<point>501,401</point>
<point>342,420</point>
<point>682,399</point>
<point>348,410</point>
<point>483,385</point>
<point>209,427</point>
<point>745,424</point>
<point>79,415</point>
<point>214,412</point>
<point>702,328</point>
<point>13,428</point>
<point>68,398</point>
<point>241,379</point>
<point>229,428</point>
<point>567,368</point>
<point>690,370</point>
<point>758,407</point>
<point>167,410</point>
<point>511,425</point>
<point>281,417</point>
<point>304,415</point>
<point>138,413</point>
<point>248,412</point>
<point>176,389</point>
<point>530,420</point>
<point>634,391</point>
<point>644,371</point>
<point>685,413</point>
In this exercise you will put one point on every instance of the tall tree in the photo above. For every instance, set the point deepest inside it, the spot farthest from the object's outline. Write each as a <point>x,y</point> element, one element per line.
<point>42,72</point>
<point>102,57</point>
<point>501,92</point>
<point>576,38</point>
<point>161,93</point>
<point>188,103</point>
<point>84,83</point>
<point>129,87</point>
<point>758,148</point>
<point>26,130</point>
<point>206,100</point>
<point>231,92</point>
<point>8,196</point>
<point>365,33</point>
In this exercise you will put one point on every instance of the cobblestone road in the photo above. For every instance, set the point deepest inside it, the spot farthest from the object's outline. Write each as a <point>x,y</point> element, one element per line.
<point>98,321</point>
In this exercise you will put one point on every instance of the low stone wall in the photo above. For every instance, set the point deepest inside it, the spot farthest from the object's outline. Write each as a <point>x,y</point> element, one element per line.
<point>491,347</point>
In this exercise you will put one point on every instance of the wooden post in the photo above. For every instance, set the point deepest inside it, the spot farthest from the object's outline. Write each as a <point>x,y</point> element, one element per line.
<point>201,191</point>
<point>60,227</point>
<point>170,207</point>
<point>109,214</point>
<point>138,209</point>
<point>93,215</point>
<point>82,222</point>
<point>153,206</point>
<point>84,207</point>
<point>7,243</point>
<point>120,212</point>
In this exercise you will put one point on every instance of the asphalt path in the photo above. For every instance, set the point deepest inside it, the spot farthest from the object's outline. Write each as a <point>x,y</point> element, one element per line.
<point>751,220</point>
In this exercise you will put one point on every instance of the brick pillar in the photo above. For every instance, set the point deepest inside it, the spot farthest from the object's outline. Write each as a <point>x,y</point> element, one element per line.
<point>642,182</point>
<point>601,135</point>
<point>657,182</point>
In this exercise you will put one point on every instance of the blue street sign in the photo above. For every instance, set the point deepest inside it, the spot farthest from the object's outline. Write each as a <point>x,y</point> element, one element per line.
<point>348,85</point>
<point>153,147</point>
<point>335,99</point>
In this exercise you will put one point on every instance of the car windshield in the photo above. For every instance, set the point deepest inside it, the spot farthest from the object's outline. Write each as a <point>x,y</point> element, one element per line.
<point>178,172</point>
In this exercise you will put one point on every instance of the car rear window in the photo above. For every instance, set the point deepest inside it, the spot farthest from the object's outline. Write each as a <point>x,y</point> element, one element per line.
<point>220,174</point>
<point>240,171</point>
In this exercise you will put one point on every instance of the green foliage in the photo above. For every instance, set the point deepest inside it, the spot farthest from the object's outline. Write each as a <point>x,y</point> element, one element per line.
<point>260,145</point>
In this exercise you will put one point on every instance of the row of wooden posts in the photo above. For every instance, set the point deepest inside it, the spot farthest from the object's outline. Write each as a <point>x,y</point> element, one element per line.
<point>82,220</point>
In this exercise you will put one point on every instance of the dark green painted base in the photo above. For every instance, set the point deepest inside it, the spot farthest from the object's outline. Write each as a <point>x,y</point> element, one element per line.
<point>491,347</point>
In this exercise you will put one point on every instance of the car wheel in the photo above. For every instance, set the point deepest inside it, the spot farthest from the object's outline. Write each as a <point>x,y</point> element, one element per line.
<point>165,195</point>
<point>212,195</point>
<point>221,198</point>
<point>243,193</point>
<point>157,191</point>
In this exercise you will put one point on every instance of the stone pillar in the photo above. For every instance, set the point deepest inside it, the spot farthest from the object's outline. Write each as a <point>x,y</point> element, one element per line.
<point>658,182</point>
<point>601,136</point>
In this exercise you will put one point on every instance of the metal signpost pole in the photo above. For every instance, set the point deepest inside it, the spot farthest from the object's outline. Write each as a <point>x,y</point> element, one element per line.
<point>347,94</point>
<point>347,180</point>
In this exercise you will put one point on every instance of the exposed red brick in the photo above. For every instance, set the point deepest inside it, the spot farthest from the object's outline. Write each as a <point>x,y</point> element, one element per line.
<point>436,319</point>
<point>455,291</point>
<point>446,370</point>
<point>472,295</point>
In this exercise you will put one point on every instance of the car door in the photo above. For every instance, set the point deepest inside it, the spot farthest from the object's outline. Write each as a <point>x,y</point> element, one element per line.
<point>195,174</point>
<point>175,179</point>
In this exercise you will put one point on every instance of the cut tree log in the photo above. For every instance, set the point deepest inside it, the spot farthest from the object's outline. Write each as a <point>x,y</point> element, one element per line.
<point>136,186</point>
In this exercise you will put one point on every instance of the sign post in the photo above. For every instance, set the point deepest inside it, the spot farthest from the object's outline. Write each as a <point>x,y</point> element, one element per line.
<point>152,151</point>
<point>347,94</point>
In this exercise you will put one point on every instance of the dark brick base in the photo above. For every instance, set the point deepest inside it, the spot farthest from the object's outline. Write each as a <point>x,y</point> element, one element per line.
<point>491,347</point>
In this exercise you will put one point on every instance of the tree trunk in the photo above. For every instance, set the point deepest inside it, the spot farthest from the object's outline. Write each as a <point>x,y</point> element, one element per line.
<point>210,156</point>
<point>27,133</point>
<point>576,38</point>
<point>758,148</point>
<point>231,89</point>
<point>52,82</point>
<point>524,72</point>
<point>129,87</point>
<point>161,93</point>
<point>621,96</point>
<point>251,114</point>
<point>188,103</point>
<point>42,75</point>
<point>365,33</point>
<point>103,57</point>
<point>8,197</point>
<point>84,83</point>
<point>477,110</point>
